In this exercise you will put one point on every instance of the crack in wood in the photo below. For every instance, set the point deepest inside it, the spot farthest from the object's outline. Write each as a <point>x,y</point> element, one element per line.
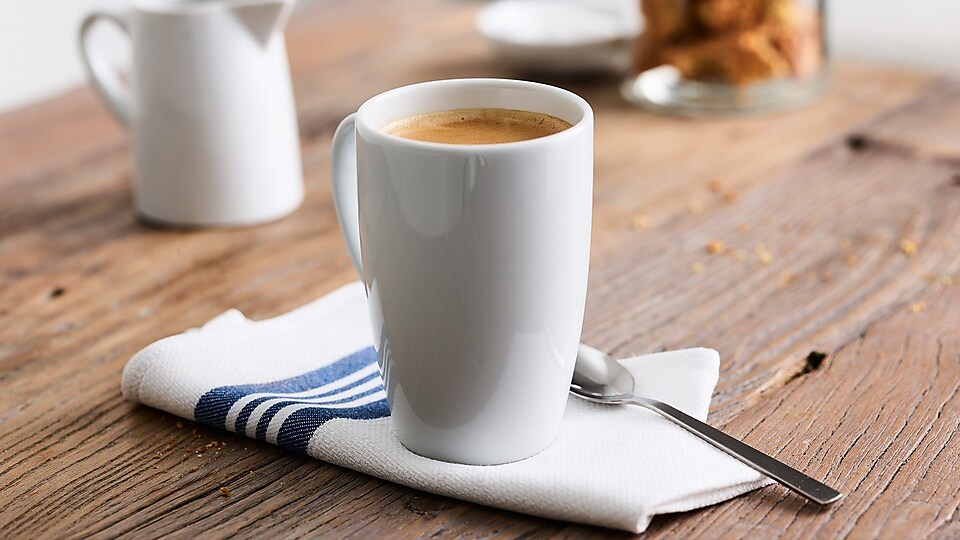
<point>427,505</point>
<point>862,143</point>
<point>811,363</point>
<point>857,142</point>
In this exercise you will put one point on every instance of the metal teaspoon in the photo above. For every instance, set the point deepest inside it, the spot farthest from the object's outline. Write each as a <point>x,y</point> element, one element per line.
<point>599,378</point>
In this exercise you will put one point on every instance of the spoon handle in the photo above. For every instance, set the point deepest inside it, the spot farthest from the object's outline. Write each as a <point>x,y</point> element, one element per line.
<point>786,475</point>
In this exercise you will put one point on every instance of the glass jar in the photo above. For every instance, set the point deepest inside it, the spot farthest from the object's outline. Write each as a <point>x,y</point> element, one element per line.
<point>715,57</point>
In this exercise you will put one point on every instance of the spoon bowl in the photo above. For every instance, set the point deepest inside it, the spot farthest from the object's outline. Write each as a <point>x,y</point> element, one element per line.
<point>598,377</point>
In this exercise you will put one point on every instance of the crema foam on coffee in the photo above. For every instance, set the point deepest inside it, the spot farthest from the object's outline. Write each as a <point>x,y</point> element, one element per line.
<point>477,126</point>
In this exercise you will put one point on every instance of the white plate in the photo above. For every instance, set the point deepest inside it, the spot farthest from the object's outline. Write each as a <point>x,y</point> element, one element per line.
<point>567,36</point>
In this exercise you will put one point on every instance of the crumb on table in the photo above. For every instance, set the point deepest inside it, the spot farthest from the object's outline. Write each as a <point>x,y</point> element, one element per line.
<point>908,247</point>
<point>716,247</point>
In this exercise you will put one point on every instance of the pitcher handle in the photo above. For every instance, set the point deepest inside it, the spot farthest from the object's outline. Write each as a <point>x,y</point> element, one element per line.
<point>345,186</point>
<point>104,77</point>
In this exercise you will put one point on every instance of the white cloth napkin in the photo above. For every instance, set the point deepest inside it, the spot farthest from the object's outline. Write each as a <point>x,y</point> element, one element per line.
<point>308,381</point>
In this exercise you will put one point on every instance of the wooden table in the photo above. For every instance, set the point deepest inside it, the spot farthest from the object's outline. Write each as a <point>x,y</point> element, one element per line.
<point>840,342</point>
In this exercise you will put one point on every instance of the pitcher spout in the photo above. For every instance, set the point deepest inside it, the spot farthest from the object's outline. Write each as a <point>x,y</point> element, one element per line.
<point>264,19</point>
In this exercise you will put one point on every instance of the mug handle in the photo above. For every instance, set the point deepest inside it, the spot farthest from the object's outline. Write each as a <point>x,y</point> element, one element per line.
<point>344,176</point>
<point>105,79</point>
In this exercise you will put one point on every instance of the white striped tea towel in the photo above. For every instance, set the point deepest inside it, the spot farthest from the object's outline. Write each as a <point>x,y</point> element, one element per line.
<point>308,381</point>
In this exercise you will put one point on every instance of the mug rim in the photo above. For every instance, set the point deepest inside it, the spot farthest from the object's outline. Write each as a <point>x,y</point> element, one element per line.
<point>376,134</point>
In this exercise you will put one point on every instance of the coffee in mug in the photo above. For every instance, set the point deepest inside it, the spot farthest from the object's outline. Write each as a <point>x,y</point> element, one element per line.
<point>477,126</point>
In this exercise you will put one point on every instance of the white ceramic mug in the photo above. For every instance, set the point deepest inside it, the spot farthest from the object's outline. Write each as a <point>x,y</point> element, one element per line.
<point>210,107</point>
<point>475,263</point>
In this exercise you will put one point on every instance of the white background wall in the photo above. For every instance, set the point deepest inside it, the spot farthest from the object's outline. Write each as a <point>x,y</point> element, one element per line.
<point>39,59</point>
<point>38,53</point>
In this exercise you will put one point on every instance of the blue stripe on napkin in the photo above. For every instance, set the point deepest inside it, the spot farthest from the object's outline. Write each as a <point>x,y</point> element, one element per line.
<point>297,429</point>
<point>244,415</point>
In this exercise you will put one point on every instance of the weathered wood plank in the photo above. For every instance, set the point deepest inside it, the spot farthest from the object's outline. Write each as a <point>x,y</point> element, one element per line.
<point>83,286</point>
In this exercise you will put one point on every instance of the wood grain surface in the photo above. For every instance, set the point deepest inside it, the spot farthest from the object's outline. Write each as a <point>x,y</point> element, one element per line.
<point>834,301</point>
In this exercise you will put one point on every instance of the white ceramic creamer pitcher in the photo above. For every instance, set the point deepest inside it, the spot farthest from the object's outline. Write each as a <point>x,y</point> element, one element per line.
<point>210,107</point>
